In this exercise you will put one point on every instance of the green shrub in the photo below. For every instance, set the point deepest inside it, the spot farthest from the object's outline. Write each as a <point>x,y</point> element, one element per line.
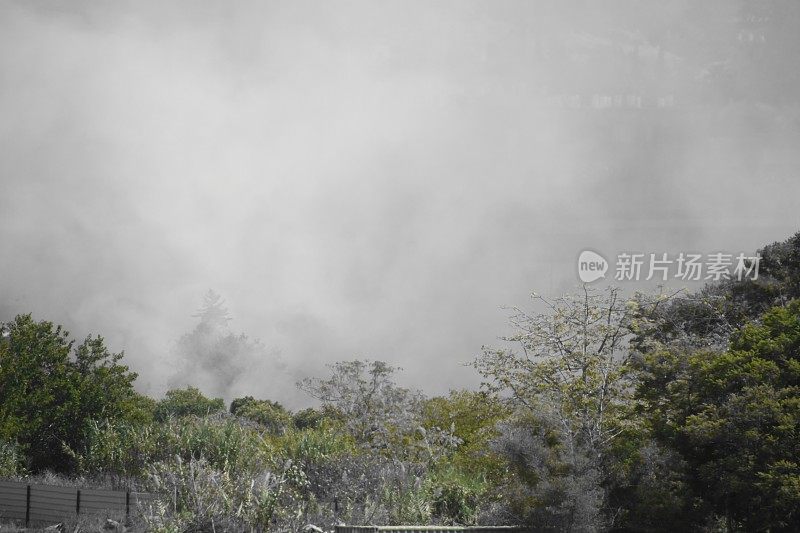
<point>455,496</point>
<point>271,415</point>
<point>53,387</point>
<point>307,418</point>
<point>187,402</point>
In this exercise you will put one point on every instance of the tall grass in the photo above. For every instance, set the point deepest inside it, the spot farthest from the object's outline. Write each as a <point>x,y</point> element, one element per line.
<point>11,460</point>
<point>221,473</point>
<point>199,497</point>
<point>127,451</point>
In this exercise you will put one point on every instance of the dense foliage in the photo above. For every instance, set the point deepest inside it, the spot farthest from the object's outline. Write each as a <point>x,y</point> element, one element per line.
<point>734,417</point>
<point>185,402</point>
<point>51,389</point>
<point>647,412</point>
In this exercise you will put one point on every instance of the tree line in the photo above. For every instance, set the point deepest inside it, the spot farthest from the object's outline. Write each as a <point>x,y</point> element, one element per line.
<point>599,412</point>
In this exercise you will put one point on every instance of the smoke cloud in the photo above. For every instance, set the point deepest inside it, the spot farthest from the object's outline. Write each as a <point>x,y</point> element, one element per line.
<point>368,179</point>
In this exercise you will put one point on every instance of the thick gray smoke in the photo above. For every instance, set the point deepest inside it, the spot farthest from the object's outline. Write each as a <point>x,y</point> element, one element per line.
<point>373,179</point>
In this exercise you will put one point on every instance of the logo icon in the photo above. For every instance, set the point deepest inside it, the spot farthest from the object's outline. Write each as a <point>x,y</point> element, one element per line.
<point>591,266</point>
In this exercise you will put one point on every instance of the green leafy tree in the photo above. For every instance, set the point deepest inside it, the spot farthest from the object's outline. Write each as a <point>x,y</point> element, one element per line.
<point>308,418</point>
<point>471,415</point>
<point>572,363</point>
<point>472,418</point>
<point>52,389</point>
<point>459,485</point>
<point>371,404</point>
<point>567,372</point>
<point>734,418</point>
<point>380,415</point>
<point>272,415</point>
<point>187,402</point>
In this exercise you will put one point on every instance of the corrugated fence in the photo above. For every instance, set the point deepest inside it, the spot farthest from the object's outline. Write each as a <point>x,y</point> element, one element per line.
<point>47,503</point>
<point>432,529</point>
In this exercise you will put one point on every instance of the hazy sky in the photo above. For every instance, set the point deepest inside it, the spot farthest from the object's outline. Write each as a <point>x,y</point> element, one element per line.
<point>357,179</point>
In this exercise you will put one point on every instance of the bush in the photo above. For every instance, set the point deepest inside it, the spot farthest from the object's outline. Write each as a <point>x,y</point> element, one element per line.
<point>271,415</point>
<point>52,388</point>
<point>456,496</point>
<point>186,402</point>
<point>307,418</point>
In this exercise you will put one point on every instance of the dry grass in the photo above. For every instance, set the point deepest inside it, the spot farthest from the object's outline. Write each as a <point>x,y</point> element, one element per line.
<point>94,523</point>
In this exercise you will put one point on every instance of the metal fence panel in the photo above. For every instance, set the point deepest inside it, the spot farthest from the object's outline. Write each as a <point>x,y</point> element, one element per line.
<point>46,503</point>
<point>50,503</point>
<point>13,500</point>
<point>93,501</point>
